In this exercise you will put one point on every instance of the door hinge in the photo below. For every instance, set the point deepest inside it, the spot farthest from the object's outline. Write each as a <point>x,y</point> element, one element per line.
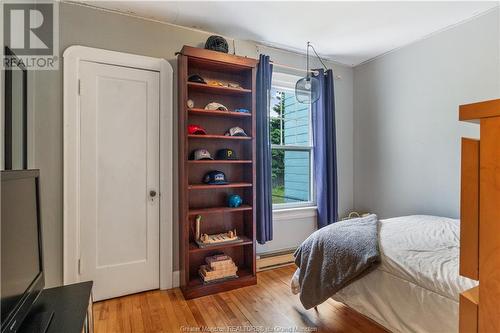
<point>79,87</point>
<point>79,266</point>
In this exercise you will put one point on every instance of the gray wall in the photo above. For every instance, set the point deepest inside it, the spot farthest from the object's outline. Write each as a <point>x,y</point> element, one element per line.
<point>407,133</point>
<point>90,27</point>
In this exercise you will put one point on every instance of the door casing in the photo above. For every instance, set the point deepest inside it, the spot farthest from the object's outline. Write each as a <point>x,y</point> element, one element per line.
<point>73,55</point>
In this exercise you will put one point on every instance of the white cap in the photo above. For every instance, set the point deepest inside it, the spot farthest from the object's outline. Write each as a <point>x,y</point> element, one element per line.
<point>215,106</point>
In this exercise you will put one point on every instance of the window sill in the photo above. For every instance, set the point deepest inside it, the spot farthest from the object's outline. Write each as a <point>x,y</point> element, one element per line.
<point>294,213</point>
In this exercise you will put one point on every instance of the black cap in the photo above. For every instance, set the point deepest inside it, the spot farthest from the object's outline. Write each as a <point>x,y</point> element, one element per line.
<point>225,154</point>
<point>215,178</point>
<point>196,78</point>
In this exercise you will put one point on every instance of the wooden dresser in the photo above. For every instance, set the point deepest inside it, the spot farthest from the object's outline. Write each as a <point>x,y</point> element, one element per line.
<point>480,219</point>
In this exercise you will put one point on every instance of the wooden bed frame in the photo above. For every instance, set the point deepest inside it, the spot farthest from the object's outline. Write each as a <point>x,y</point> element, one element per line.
<point>480,219</point>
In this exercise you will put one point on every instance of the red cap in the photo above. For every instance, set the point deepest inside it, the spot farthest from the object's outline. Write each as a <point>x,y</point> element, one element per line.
<point>195,129</point>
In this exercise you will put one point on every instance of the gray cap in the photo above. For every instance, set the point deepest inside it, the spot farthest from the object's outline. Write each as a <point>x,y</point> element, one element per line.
<point>202,154</point>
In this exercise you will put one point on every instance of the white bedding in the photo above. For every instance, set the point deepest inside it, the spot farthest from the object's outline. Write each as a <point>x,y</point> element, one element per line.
<point>424,250</point>
<point>417,286</point>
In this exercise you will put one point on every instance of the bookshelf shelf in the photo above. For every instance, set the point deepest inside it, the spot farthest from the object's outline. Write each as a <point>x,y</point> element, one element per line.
<point>216,210</point>
<point>215,162</point>
<point>193,247</point>
<point>216,113</point>
<point>213,187</point>
<point>218,90</point>
<point>218,137</point>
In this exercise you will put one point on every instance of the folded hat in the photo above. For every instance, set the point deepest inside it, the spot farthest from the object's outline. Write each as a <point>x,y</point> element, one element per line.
<point>233,85</point>
<point>196,78</point>
<point>196,129</point>
<point>201,154</point>
<point>242,110</point>
<point>216,83</point>
<point>225,154</point>
<point>215,178</point>
<point>236,131</point>
<point>215,106</point>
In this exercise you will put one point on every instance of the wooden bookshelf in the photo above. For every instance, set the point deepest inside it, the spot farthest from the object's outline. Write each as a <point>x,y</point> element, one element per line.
<point>210,201</point>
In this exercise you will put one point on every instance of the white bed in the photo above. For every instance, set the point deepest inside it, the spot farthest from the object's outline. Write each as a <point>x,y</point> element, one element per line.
<point>417,285</point>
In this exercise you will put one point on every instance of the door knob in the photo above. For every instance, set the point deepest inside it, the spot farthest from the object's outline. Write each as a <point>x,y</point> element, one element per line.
<point>152,193</point>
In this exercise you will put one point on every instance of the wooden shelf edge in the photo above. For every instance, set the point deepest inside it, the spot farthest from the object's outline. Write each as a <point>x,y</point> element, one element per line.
<point>479,110</point>
<point>193,247</point>
<point>472,295</point>
<point>219,113</point>
<point>218,89</point>
<point>213,56</point>
<point>215,210</point>
<point>220,162</point>
<point>218,137</point>
<point>211,187</point>
<point>196,288</point>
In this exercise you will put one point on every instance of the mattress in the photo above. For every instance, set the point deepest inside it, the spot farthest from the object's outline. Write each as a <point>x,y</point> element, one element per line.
<point>417,285</point>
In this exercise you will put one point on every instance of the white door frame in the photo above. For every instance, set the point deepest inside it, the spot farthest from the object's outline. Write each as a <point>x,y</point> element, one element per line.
<point>73,55</point>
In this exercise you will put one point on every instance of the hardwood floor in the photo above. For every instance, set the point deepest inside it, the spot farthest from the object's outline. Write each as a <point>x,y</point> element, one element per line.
<point>269,304</point>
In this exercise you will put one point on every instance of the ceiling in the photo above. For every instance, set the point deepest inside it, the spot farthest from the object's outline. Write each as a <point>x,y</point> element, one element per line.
<point>347,32</point>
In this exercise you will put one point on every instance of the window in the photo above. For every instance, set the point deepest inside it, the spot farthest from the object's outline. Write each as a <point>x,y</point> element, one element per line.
<point>291,145</point>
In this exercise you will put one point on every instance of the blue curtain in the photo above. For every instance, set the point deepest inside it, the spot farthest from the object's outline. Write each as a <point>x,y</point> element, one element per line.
<point>325,152</point>
<point>264,205</point>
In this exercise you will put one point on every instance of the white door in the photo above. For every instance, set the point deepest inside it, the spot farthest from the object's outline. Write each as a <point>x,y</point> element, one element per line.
<point>119,179</point>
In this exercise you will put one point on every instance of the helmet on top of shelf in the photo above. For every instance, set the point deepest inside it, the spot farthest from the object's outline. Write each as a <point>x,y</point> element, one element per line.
<point>217,43</point>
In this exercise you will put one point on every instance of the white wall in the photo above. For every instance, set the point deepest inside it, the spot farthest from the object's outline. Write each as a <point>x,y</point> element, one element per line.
<point>101,29</point>
<point>407,133</point>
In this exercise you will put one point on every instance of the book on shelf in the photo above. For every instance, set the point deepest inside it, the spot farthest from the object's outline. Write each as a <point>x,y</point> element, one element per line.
<point>210,273</point>
<point>227,278</point>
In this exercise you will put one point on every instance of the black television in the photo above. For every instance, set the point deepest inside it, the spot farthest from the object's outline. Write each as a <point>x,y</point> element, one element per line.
<point>22,275</point>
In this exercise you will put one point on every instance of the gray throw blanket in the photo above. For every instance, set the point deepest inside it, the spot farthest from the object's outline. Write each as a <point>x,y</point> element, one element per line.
<point>335,256</point>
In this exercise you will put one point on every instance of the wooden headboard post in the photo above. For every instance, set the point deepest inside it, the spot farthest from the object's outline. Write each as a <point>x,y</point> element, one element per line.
<point>480,219</point>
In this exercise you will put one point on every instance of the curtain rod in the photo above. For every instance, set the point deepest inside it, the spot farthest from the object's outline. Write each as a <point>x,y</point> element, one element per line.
<point>294,68</point>
<point>336,77</point>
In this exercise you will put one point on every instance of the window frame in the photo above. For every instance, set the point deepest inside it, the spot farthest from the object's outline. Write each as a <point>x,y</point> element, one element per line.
<point>287,82</point>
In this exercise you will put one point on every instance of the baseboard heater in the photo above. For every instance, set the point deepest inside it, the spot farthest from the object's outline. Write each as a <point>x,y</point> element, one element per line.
<point>275,259</point>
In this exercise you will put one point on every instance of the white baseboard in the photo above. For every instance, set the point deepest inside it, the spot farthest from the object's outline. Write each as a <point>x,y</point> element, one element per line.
<point>275,259</point>
<point>176,279</point>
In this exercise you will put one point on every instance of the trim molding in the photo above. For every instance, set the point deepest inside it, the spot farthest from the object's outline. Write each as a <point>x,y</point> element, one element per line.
<point>295,213</point>
<point>73,55</point>
<point>176,279</point>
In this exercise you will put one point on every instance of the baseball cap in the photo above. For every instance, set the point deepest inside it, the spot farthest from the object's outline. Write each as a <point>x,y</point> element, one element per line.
<point>236,131</point>
<point>196,129</point>
<point>242,110</point>
<point>233,85</point>
<point>215,106</point>
<point>216,83</point>
<point>201,154</point>
<point>225,154</point>
<point>196,78</point>
<point>215,177</point>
